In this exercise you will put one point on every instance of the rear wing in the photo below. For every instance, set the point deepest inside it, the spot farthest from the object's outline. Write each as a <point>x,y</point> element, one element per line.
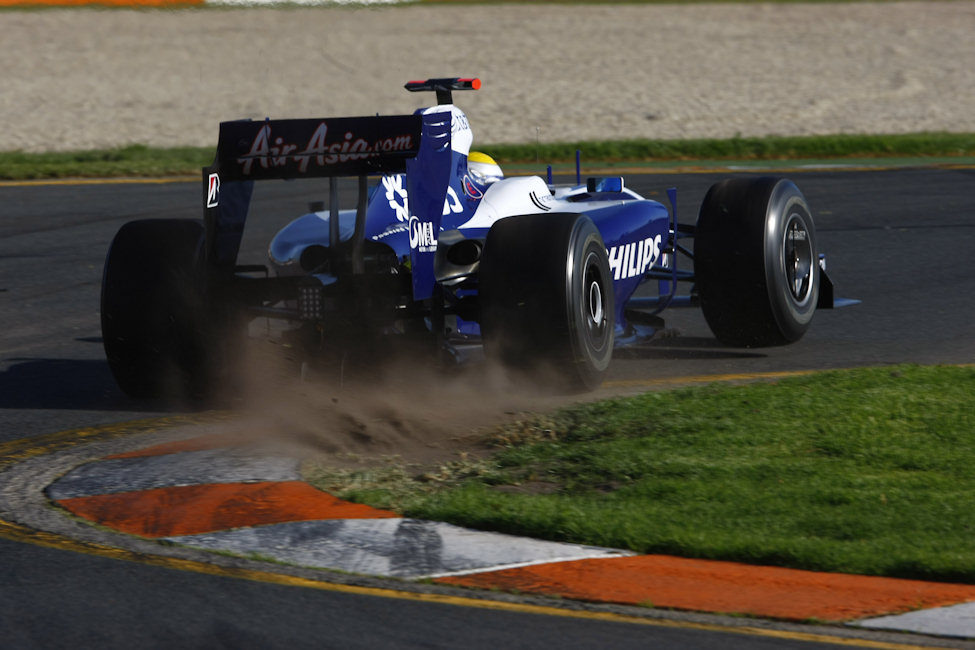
<point>313,148</point>
<point>307,148</point>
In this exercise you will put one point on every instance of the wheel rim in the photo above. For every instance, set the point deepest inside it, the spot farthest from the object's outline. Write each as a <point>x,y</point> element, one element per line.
<point>798,254</point>
<point>595,304</point>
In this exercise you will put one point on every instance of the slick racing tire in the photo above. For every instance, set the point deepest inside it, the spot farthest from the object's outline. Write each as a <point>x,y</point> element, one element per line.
<point>546,299</point>
<point>162,335</point>
<point>755,262</point>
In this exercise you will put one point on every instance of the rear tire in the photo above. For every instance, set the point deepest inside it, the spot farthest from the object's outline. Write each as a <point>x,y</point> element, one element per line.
<point>164,337</point>
<point>755,262</point>
<point>546,299</point>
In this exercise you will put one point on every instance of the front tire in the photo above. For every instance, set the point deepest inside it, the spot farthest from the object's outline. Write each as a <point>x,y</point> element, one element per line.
<point>546,298</point>
<point>755,262</point>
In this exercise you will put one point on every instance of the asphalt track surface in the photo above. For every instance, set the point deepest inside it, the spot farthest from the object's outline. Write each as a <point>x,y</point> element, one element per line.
<point>900,240</point>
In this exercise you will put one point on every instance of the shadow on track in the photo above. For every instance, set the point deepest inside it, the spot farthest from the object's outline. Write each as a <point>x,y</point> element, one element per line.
<point>690,347</point>
<point>64,384</point>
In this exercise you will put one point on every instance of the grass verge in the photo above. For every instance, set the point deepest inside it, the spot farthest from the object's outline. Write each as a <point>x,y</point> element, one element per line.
<point>130,161</point>
<point>143,161</point>
<point>867,471</point>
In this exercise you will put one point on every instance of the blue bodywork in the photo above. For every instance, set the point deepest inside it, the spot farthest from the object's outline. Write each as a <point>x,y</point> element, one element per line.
<point>426,199</point>
<point>443,197</point>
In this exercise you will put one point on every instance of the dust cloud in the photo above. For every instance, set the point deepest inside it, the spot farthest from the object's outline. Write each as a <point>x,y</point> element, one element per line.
<point>404,408</point>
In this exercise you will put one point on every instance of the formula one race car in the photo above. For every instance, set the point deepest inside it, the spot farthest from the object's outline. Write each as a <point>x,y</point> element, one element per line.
<point>446,250</point>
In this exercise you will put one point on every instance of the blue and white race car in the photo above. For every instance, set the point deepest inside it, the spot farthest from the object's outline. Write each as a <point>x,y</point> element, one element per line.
<point>445,249</point>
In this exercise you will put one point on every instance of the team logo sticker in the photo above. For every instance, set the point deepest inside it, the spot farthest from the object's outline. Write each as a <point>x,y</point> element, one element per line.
<point>470,189</point>
<point>213,191</point>
<point>399,200</point>
<point>396,196</point>
<point>540,202</point>
<point>633,259</point>
<point>422,237</point>
<point>451,203</point>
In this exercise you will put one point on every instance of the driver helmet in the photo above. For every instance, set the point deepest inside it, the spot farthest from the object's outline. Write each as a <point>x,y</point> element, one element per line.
<point>483,169</point>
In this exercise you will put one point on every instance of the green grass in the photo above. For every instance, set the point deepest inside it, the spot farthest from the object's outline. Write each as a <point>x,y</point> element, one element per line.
<point>867,471</point>
<point>767,148</point>
<point>142,161</point>
<point>133,160</point>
